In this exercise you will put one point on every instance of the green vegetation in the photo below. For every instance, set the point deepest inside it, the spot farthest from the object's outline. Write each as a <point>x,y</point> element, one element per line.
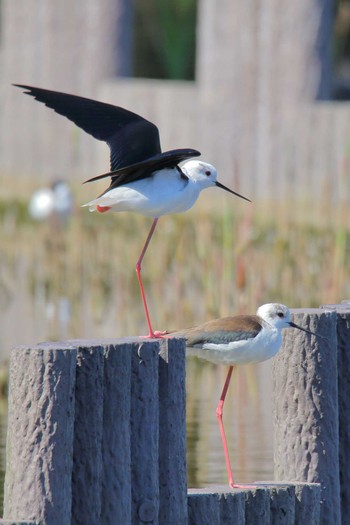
<point>165,39</point>
<point>200,265</point>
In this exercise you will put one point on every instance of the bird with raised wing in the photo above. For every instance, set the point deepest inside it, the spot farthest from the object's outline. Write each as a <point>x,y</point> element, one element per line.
<point>144,179</point>
<point>239,340</point>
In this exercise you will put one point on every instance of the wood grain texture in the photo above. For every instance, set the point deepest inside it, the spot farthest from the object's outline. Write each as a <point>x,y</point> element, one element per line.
<point>40,434</point>
<point>305,408</point>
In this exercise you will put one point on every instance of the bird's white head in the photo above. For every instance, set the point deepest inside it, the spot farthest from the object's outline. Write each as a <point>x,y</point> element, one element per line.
<point>205,176</point>
<point>200,172</point>
<point>277,315</point>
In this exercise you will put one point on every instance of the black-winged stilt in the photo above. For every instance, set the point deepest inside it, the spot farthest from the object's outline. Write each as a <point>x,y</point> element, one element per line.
<point>145,180</point>
<point>238,340</point>
<point>55,202</point>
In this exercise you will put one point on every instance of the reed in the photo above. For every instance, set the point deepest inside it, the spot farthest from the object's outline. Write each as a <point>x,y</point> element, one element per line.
<point>218,259</point>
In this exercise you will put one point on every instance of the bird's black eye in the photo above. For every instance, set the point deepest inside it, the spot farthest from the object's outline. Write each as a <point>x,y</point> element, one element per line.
<point>208,173</point>
<point>280,314</point>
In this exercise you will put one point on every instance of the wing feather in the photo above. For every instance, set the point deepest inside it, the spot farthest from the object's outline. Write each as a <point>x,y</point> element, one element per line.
<point>224,330</point>
<point>130,137</point>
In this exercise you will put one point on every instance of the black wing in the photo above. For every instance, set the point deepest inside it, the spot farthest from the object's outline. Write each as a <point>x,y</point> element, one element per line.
<point>141,170</point>
<point>131,138</point>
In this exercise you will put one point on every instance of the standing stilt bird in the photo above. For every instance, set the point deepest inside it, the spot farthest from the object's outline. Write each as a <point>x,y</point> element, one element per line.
<point>145,180</point>
<point>238,340</point>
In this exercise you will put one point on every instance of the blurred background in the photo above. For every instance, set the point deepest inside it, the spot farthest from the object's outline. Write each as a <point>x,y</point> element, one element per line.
<point>262,91</point>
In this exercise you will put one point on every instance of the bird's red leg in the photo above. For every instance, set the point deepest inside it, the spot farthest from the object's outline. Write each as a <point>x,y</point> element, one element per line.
<point>151,334</point>
<point>219,412</point>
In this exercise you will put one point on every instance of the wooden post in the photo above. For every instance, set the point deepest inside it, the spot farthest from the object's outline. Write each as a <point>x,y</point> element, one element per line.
<point>343,336</point>
<point>144,441</point>
<point>257,506</point>
<point>40,434</point>
<point>140,425</point>
<point>215,506</point>
<point>172,433</point>
<point>116,481</point>
<point>307,503</point>
<point>282,504</point>
<point>267,503</point>
<point>97,433</point>
<point>306,408</point>
<point>88,432</point>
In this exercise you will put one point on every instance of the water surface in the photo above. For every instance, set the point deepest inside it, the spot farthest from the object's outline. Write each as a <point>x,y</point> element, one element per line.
<point>247,419</point>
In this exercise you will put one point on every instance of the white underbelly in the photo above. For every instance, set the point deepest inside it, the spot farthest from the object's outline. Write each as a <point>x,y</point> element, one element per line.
<point>161,194</point>
<point>256,350</point>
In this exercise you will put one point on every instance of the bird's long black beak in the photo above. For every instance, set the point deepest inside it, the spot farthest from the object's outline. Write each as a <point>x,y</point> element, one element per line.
<point>219,185</point>
<point>293,325</point>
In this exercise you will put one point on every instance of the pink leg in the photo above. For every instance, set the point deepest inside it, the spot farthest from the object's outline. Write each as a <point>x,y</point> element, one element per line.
<point>151,333</point>
<point>219,412</point>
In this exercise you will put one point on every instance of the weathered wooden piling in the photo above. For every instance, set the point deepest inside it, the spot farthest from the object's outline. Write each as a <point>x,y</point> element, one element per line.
<point>343,340</point>
<point>100,405</point>
<point>307,503</point>
<point>116,480</point>
<point>266,503</point>
<point>40,434</point>
<point>172,435</point>
<point>306,408</point>
<point>216,505</point>
<point>88,432</point>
